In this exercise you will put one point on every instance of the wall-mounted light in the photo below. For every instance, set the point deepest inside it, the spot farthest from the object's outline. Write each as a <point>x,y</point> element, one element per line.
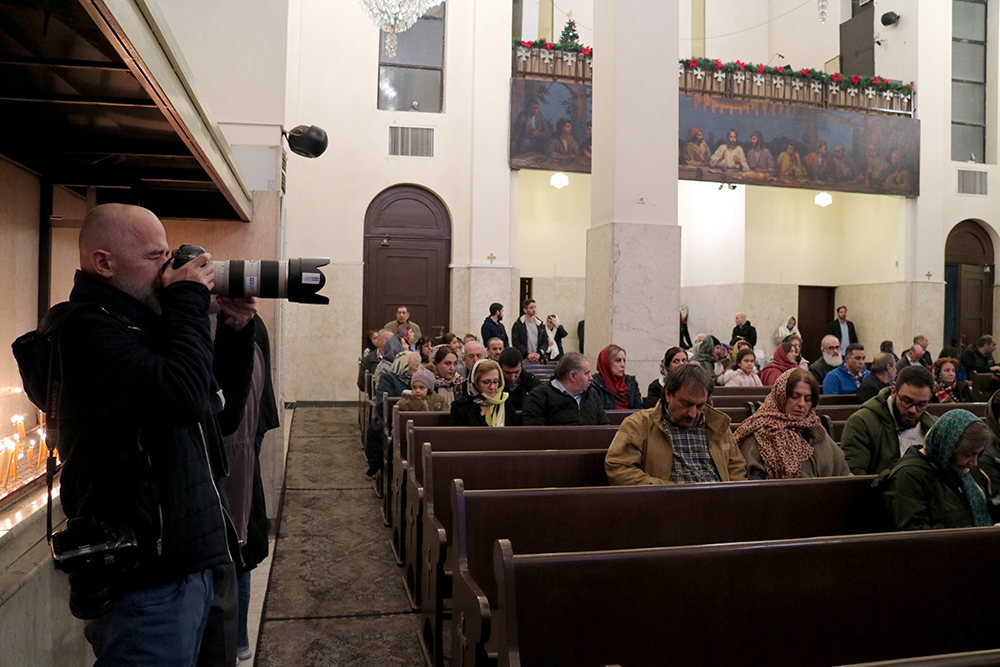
<point>823,199</point>
<point>890,18</point>
<point>559,181</point>
<point>306,140</point>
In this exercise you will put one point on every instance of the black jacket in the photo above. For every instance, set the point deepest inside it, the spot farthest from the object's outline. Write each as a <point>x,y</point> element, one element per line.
<point>140,439</point>
<point>974,360</point>
<point>466,412</point>
<point>920,495</point>
<point>369,362</point>
<point>548,406</point>
<point>519,334</point>
<point>491,329</point>
<point>833,329</point>
<point>869,388</point>
<point>525,385</point>
<point>747,332</point>
<point>819,369</point>
<point>608,399</point>
<point>653,393</point>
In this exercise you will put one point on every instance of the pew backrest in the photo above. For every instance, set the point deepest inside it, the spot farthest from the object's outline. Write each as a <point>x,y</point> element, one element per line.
<point>827,599</point>
<point>938,409</point>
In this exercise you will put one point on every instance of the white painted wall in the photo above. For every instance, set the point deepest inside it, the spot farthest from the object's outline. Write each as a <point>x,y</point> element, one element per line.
<point>795,32</point>
<point>736,31</point>
<point>583,14</point>
<point>712,250</point>
<point>552,239</point>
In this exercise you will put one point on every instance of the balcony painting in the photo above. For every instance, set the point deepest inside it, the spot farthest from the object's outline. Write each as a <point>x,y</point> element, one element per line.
<point>550,125</point>
<point>757,142</point>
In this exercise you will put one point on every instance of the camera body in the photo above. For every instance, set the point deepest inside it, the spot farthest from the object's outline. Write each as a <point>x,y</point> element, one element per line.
<point>298,280</point>
<point>93,553</point>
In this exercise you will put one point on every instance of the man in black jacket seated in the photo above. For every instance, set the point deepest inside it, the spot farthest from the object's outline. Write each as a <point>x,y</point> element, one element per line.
<point>142,421</point>
<point>567,399</point>
<point>518,381</point>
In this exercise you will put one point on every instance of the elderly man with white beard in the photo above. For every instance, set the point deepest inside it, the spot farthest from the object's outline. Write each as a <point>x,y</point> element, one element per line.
<point>831,358</point>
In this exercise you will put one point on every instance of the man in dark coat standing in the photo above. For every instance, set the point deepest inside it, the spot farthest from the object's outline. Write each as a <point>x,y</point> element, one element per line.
<point>743,331</point>
<point>493,326</point>
<point>842,328</point>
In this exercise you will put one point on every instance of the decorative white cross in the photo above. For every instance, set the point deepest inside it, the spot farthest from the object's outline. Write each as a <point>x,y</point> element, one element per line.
<point>590,64</point>
<point>719,75</point>
<point>758,79</point>
<point>547,57</point>
<point>816,86</point>
<point>797,84</point>
<point>869,93</point>
<point>680,69</point>
<point>887,94</point>
<point>523,54</point>
<point>570,58</point>
<point>699,74</point>
<point>739,77</point>
<point>779,81</point>
<point>852,92</point>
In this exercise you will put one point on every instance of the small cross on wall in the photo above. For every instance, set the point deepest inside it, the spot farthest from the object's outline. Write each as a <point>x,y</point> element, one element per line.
<point>929,274</point>
<point>491,257</point>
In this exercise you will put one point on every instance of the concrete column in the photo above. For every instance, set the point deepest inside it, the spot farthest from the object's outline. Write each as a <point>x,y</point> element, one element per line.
<point>633,244</point>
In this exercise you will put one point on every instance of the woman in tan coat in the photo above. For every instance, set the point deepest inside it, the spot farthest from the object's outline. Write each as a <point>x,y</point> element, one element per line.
<point>784,438</point>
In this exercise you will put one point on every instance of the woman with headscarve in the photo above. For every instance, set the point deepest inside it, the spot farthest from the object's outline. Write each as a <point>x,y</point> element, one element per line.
<point>616,390</point>
<point>780,363</point>
<point>708,354</point>
<point>674,357</point>
<point>397,380</point>
<point>784,438</point>
<point>390,351</point>
<point>486,402</point>
<point>447,382</point>
<point>948,389</point>
<point>788,327</point>
<point>933,486</point>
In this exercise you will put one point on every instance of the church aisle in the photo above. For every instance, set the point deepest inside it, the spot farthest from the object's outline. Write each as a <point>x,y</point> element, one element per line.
<point>335,595</point>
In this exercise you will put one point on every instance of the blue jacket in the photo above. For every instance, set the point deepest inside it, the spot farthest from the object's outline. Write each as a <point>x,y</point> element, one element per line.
<point>839,381</point>
<point>493,329</point>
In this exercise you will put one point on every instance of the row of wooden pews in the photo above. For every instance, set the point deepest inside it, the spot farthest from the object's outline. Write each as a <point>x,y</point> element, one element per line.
<point>512,539</point>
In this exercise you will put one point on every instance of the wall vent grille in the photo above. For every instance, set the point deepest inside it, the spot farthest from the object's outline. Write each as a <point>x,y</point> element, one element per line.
<point>411,141</point>
<point>972,182</point>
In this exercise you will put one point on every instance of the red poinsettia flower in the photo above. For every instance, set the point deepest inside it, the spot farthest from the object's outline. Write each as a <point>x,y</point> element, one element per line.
<point>692,63</point>
<point>875,80</point>
<point>836,77</point>
<point>855,79</point>
<point>760,68</point>
<point>548,46</point>
<point>718,64</point>
<point>805,71</point>
<point>524,43</point>
<point>586,51</point>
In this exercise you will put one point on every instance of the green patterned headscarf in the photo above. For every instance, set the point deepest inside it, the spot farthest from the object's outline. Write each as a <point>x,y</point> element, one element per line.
<point>939,445</point>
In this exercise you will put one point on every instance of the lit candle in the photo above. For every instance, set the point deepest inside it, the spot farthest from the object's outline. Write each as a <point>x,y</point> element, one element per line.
<point>11,461</point>
<point>43,450</point>
<point>31,450</point>
<point>41,419</point>
<point>18,421</point>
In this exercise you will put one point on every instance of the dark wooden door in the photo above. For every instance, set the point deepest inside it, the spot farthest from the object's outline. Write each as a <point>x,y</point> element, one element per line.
<point>407,253</point>
<point>975,302</point>
<point>816,310</point>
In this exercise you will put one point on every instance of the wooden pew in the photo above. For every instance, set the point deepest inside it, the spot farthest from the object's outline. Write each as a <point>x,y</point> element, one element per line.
<point>616,417</point>
<point>730,401</point>
<point>838,399</point>
<point>979,383</point>
<point>486,470</point>
<point>837,412</point>
<point>938,409</point>
<point>827,599</point>
<point>477,439</point>
<point>760,392</point>
<point>587,519</point>
<point>403,422</point>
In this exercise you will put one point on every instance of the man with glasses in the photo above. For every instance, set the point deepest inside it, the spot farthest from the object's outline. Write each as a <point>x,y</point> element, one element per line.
<point>881,431</point>
<point>830,348</point>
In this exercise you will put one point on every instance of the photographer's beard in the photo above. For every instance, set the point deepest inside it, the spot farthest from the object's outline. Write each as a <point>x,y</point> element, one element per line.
<point>832,359</point>
<point>147,295</point>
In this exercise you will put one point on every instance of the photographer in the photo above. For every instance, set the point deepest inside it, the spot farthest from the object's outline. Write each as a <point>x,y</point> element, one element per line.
<point>141,440</point>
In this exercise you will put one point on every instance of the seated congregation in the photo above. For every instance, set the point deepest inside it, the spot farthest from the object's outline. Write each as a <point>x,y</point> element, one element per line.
<point>863,456</point>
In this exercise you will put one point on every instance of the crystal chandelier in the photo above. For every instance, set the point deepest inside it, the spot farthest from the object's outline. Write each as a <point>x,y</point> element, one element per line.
<point>395,16</point>
<point>822,7</point>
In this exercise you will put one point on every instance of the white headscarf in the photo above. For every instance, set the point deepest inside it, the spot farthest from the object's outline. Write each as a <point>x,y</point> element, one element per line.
<point>784,332</point>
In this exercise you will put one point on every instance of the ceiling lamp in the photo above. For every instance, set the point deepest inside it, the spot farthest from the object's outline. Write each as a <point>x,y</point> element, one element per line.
<point>395,16</point>
<point>823,199</point>
<point>559,181</point>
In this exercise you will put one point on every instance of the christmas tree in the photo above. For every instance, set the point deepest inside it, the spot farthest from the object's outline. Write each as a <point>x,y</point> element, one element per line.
<point>569,38</point>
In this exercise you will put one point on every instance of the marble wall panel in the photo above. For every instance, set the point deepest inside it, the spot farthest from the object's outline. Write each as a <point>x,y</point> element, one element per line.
<point>881,312</point>
<point>19,213</point>
<point>563,297</point>
<point>459,309</point>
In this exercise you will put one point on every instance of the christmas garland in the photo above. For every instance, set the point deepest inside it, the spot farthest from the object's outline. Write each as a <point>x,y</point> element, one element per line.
<point>837,80</point>
<point>549,46</point>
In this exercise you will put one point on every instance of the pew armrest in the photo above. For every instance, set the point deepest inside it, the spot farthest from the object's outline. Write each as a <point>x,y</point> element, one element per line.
<point>470,610</point>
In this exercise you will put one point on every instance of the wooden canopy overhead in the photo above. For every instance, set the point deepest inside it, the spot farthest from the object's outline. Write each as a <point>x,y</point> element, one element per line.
<point>92,97</point>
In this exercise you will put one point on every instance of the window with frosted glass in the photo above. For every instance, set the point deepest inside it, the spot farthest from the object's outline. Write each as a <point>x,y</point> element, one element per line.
<point>968,81</point>
<point>413,78</point>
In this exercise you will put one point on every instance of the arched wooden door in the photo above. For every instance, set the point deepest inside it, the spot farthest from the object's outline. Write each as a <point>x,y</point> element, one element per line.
<point>407,253</point>
<point>968,274</point>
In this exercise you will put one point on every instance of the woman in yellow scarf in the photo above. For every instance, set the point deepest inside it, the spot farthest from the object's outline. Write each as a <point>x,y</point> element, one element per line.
<point>486,403</point>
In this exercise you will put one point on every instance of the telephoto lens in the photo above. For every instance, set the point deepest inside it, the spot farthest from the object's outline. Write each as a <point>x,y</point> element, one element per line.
<point>299,280</point>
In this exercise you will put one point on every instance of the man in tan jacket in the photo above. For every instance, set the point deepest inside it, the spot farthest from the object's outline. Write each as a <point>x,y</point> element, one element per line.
<point>681,440</point>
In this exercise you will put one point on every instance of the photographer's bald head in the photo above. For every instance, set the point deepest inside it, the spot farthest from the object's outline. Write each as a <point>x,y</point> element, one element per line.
<point>126,246</point>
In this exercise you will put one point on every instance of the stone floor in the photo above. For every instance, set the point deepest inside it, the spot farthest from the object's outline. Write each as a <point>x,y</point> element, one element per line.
<point>335,595</point>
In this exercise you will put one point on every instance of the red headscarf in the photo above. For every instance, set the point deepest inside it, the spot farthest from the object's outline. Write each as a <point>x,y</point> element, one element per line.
<point>618,386</point>
<point>779,364</point>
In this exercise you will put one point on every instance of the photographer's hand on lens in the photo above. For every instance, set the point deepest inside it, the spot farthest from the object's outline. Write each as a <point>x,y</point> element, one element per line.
<point>237,311</point>
<point>197,270</point>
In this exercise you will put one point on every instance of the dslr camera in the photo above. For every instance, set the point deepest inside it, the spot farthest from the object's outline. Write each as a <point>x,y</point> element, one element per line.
<point>93,554</point>
<point>298,280</point>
